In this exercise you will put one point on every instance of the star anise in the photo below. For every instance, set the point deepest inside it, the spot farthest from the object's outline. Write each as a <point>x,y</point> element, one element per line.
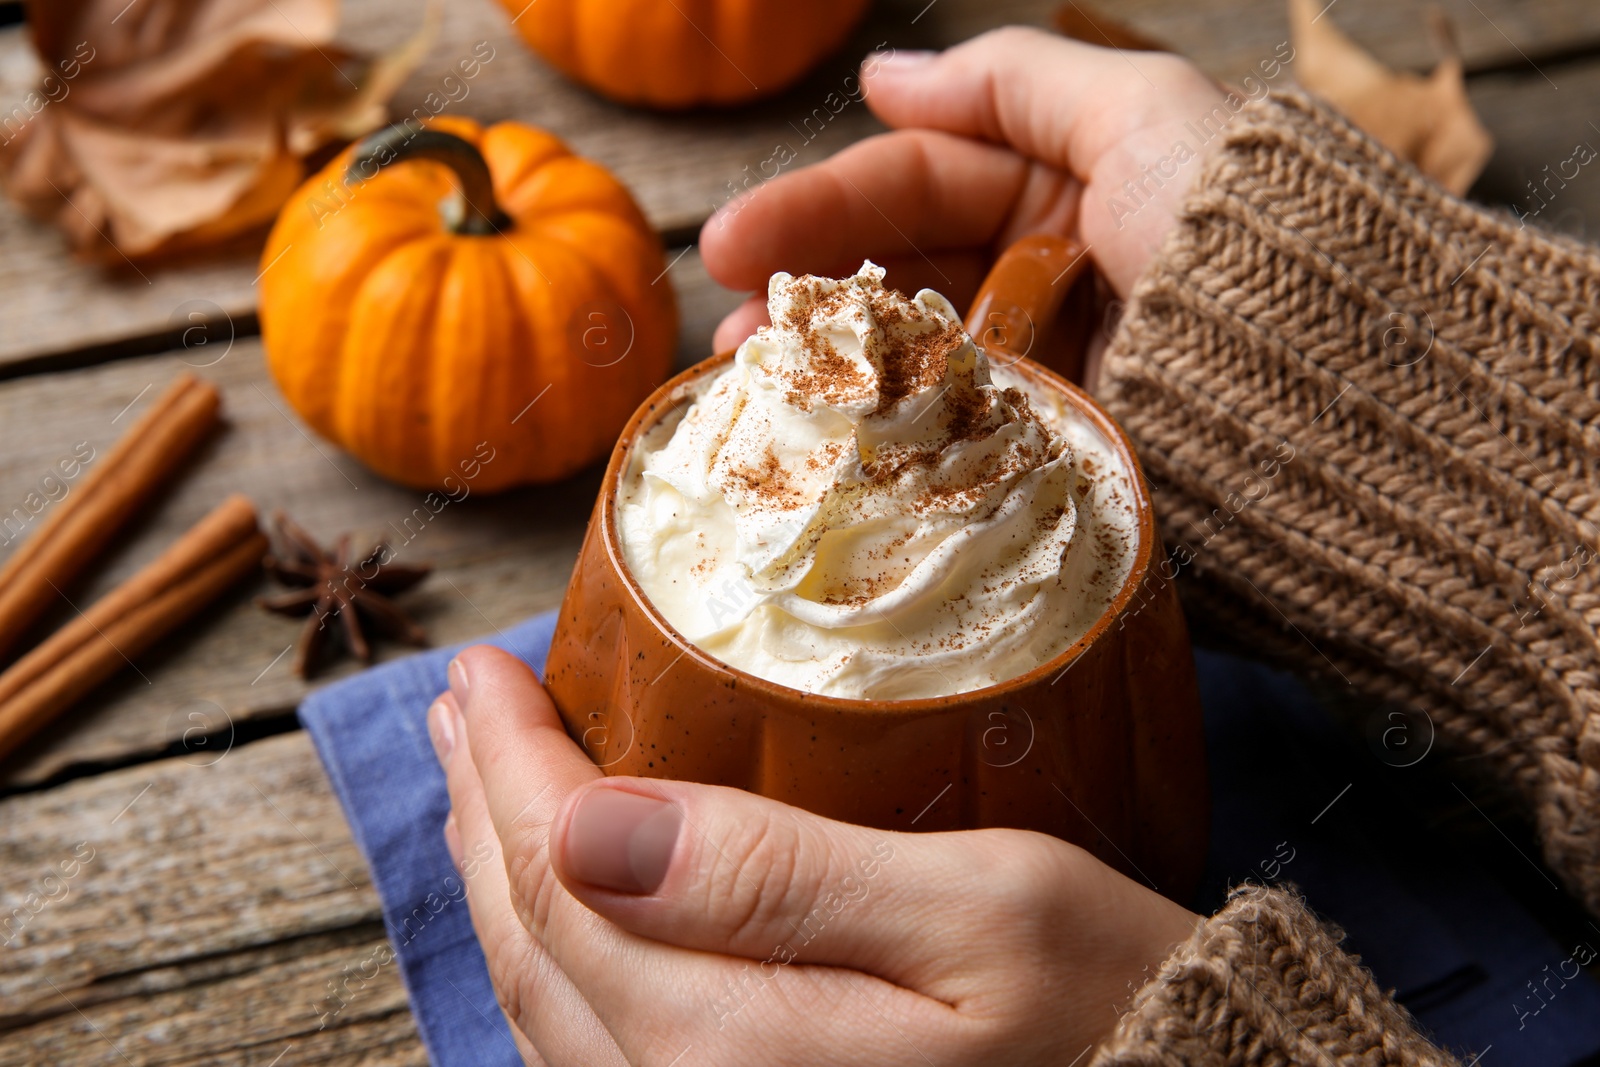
<point>328,584</point>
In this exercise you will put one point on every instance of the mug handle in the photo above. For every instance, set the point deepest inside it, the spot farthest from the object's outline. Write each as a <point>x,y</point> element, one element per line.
<point>1016,309</point>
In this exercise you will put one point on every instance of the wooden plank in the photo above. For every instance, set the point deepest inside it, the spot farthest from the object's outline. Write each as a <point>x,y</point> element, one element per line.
<point>243,1021</point>
<point>246,1008</point>
<point>194,912</point>
<point>1536,127</point>
<point>167,863</point>
<point>499,559</point>
<point>1230,40</point>
<point>55,304</point>
<point>702,304</point>
<point>182,912</point>
<point>204,926</point>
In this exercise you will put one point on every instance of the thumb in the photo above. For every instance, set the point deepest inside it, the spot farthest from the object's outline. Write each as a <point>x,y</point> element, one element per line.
<point>722,870</point>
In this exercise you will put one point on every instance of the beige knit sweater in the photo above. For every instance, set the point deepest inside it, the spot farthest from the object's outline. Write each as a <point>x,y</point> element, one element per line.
<point>1431,368</point>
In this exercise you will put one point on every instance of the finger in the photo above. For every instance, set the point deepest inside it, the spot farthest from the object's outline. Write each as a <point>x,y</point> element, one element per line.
<point>527,765</point>
<point>1105,116</point>
<point>909,193</point>
<point>654,1000</point>
<point>1048,97</point>
<point>722,870</point>
<point>541,1003</point>
<point>957,275</point>
<point>524,765</point>
<point>740,323</point>
<point>522,754</point>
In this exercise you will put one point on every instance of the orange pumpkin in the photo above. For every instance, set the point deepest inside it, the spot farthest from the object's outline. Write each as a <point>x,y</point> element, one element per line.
<point>681,53</point>
<point>441,293</point>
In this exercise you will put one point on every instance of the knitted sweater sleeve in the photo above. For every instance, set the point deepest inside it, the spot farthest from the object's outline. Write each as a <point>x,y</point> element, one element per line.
<point>1370,417</point>
<point>1263,982</point>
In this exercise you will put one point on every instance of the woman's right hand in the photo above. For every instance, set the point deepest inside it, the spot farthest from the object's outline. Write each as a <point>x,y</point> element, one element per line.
<point>1015,132</point>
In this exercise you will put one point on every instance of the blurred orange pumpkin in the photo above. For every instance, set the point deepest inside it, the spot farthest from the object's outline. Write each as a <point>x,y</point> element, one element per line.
<point>682,53</point>
<point>441,293</point>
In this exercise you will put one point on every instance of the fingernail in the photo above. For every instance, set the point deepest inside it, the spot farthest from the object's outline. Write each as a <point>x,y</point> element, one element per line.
<point>897,60</point>
<point>442,731</point>
<point>458,681</point>
<point>452,839</point>
<point>620,840</point>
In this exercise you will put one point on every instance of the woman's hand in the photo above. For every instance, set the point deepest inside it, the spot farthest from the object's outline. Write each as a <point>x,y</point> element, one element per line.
<point>639,921</point>
<point>1014,132</point>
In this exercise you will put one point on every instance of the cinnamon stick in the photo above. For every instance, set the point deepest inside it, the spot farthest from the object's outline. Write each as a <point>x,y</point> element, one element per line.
<point>214,554</point>
<point>83,522</point>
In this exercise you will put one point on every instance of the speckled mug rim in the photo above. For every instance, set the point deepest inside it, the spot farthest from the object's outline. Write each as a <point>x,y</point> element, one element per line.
<point>676,391</point>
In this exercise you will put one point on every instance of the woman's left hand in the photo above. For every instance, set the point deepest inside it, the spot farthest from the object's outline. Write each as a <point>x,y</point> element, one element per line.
<point>645,921</point>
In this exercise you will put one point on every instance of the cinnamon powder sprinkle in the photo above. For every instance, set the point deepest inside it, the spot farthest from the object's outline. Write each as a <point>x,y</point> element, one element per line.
<point>768,483</point>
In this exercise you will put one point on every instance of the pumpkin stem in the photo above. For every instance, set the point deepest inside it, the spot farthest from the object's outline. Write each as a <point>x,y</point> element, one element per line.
<point>405,141</point>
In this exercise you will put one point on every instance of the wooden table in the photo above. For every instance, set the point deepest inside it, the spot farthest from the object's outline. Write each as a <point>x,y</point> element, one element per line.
<point>224,895</point>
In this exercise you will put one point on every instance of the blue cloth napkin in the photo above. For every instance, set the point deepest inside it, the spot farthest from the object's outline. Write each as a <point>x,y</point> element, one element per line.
<point>371,733</point>
<point>1294,799</point>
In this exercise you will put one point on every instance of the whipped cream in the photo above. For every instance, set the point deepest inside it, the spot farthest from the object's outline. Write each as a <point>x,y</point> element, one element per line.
<point>860,506</point>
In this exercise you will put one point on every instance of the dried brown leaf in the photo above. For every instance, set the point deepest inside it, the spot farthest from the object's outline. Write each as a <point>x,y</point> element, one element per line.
<point>1428,121</point>
<point>172,124</point>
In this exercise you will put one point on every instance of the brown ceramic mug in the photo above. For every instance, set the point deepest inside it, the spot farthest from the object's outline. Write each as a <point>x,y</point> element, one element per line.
<point>1100,746</point>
